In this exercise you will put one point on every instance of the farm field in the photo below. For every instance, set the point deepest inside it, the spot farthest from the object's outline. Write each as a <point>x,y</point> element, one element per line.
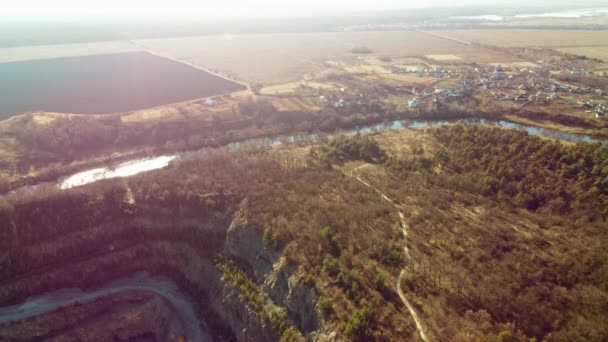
<point>102,84</point>
<point>28,53</point>
<point>522,38</point>
<point>599,52</point>
<point>282,58</point>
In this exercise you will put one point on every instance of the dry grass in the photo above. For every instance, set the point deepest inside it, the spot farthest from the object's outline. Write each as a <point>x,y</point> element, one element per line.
<point>366,69</point>
<point>445,57</point>
<point>292,104</point>
<point>27,53</point>
<point>281,58</point>
<point>521,38</point>
<point>281,89</point>
<point>599,52</point>
<point>409,79</point>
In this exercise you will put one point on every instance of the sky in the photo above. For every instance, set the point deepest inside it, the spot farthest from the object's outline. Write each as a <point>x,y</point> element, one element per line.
<point>75,9</point>
<point>79,9</point>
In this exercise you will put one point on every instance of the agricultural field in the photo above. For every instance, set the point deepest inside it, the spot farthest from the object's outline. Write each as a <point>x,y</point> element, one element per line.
<point>28,53</point>
<point>282,58</point>
<point>599,52</point>
<point>523,38</point>
<point>103,84</point>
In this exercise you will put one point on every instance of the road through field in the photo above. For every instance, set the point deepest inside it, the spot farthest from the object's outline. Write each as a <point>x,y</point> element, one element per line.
<point>446,37</point>
<point>403,225</point>
<point>146,49</point>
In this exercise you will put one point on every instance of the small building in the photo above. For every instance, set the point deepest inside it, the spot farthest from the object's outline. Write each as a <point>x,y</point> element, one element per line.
<point>521,98</point>
<point>413,102</point>
<point>601,111</point>
<point>439,91</point>
<point>540,97</point>
<point>499,73</point>
<point>501,96</point>
<point>600,92</point>
<point>209,102</point>
<point>339,104</point>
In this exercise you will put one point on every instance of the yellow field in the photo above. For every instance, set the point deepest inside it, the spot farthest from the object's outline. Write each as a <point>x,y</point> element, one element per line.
<point>409,79</point>
<point>27,53</point>
<point>443,57</point>
<point>520,38</point>
<point>292,87</point>
<point>600,52</point>
<point>282,58</point>
<point>289,104</point>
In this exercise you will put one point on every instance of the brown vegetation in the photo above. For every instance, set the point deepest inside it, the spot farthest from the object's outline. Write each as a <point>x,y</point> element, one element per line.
<point>482,266</point>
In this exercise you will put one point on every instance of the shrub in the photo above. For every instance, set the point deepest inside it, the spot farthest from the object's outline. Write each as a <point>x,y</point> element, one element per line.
<point>358,324</point>
<point>331,266</point>
<point>324,306</point>
<point>357,147</point>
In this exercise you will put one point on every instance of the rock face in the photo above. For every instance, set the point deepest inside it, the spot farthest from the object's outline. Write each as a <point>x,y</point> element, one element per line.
<point>245,324</point>
<point>179,245</point>
<point>277,278</point>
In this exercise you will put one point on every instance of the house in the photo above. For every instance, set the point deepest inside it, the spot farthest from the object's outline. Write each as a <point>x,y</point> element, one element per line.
<point>530,81</point>
<point>440,91</point>
<point>500,96</point>
<point>499,73</point>
<point>339,104</point>
<point>413,102</point>
<point>540,97</point>
<point>521,98</point>
<point>601,111</point>
<point>453,94</point>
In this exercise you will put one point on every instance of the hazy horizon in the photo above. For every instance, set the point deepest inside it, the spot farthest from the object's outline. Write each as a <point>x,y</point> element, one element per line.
<point>67,10</point>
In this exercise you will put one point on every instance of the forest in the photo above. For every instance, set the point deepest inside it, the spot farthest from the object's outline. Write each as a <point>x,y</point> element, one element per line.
<point>508,233</point>
<point>532,264</point>
<point>527,171</point>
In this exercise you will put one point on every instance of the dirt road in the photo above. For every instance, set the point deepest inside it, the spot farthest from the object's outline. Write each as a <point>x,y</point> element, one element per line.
<point>191,326</point>
<point>403,225</point>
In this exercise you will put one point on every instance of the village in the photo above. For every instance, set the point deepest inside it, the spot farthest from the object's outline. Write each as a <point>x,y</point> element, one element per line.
<point>421,85</point>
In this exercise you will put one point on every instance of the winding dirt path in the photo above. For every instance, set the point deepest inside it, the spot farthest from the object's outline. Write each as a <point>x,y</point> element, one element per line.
<point>404,226</point>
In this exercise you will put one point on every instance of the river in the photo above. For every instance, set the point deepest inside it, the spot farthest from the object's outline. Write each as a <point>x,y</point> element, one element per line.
<point>142,165</point>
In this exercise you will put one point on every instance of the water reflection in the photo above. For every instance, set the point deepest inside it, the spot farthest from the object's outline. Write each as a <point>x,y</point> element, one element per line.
<point>127,169</point>
<point>138,166</point>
